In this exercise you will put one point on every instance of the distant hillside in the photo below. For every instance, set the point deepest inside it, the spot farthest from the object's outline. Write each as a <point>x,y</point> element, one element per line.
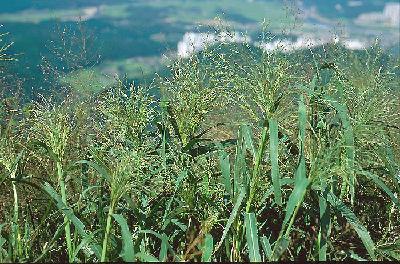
<point>346,8</point>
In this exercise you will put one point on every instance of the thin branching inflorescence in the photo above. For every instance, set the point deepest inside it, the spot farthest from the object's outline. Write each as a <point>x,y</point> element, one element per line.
<point>51,130</point>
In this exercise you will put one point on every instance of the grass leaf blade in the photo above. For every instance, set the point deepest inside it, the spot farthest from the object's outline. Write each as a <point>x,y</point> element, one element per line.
<point>275,175</point>
<point>80,227</point>
<point>225,171</point>
<point>207,248</point>
<point>266,247</point>
<point>252,237</point>
<point>383,186</point>
<point>325,225</point>
<point>146,257</point>
<point>127,252</point>
<point>354,222</point>
<point>232,217</point>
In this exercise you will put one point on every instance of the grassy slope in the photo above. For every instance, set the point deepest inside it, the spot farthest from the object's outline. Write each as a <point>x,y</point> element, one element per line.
<point>142,167</point>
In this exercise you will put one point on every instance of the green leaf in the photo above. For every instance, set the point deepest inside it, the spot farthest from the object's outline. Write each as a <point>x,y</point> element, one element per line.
<point>390,250</point>
<point>301,184</point>
<point>248,139</point>
<point>325,226</point>
<point>52,243</point>
<point>391,165</point>
<point>280,247</point>
<point>348,134</point>
<point>37,143</point>
<point>16,161</point>
<point>274,141</point>
<point>266,247</point>
<point>178,183</point>
<point>164,248</point>
<point>2,239</point>
<point>79,226</point>
<point>85,241</point>
<point>207,248</point>
<point>295,197</point>
<point>252,237</point>
<point>146,257</point>
<point>84,192</point>
<point>127,252</point>
<point>270,190</point>
<point>101,170</point>
<point>383,186</point>
<point>225,171</point>
<point>232,217</point>
<point>181,226</point>
<point>239,169</point>
<point>302,123</point>
<point>354,256</point>
<point>300,188</point>
<point>164,239</point>
<point>349,144</point>
<point>300,175</point>
<point>354,222</point>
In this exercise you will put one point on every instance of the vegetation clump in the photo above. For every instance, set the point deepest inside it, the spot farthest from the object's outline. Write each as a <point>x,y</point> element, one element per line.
<point>245,155</point>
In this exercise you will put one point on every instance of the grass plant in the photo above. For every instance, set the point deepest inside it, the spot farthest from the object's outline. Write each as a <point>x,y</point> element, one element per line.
<point>240,155</point>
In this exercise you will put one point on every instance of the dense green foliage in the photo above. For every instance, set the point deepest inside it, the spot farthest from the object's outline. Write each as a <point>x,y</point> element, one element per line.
<point>244,156</point>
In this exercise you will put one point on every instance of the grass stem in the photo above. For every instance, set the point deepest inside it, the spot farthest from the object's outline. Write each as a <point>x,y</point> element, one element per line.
<point>60,174</point>
<point>107,233</point>
<point>256,169</point>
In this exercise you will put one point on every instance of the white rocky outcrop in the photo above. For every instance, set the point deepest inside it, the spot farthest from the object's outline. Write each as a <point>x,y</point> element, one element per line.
<point>193,42</point>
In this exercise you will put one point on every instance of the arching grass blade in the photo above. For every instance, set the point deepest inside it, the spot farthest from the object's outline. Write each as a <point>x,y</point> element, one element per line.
<point>127,252</point>
<point>383,186</point>
<point>362,232</point>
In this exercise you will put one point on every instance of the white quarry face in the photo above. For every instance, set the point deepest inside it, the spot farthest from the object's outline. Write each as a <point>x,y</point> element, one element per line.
<point>193,42</point>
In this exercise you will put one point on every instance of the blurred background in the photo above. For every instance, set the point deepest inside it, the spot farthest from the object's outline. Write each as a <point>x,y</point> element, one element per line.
<point>98,38</point>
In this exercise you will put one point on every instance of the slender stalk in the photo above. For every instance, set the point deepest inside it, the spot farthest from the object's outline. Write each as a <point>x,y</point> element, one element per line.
<point>235,241</point>
<point>254,178</point>
<point>107,233</point>
<point>15,226</point>
<point>15,198</point>
<point>60,174</point>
